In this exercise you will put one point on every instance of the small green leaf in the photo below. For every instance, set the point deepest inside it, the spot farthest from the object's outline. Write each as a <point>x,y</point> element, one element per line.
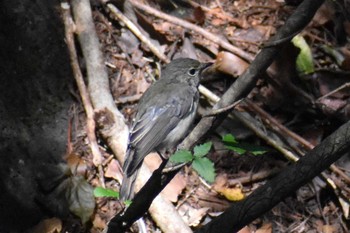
<point>236,148</point>
<point>181,156</point>
<point>229,138</point>
<point>127,203</point>
<point>254,149</point>
<point>201,150</point>
<point>241,148</point>
<point>103,192</point>
<point>205,168</point>
<point>304,62</point>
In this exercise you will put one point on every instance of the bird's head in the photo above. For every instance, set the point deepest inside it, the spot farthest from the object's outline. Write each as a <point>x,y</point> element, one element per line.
<point>185,70</point>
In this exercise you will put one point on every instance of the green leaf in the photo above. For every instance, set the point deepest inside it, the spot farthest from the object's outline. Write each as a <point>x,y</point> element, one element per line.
<point>127,203</point>
<point>254,149</point>
<point>103,192</point>
<point>241,148</point>
<point>181,156</point>
<point>236,148</point>
<point>229,138</point>
<point>205,168</point>
<point>304,62</point>
<point>201,150</point>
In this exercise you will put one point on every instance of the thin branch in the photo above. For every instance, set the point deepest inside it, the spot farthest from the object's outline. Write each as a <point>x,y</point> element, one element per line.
<point>69,30</point>
<point>194,28</point>
<point>281,128</point>
<point>110,121</point>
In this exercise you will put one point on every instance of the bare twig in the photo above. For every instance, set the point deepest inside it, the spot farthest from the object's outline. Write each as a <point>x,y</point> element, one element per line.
<point>274,123</point>
<point>221,110</point>
<point>210,36</point>
<point>346,85</point>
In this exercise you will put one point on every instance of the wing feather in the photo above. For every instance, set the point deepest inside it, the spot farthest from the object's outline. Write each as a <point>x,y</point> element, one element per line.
<point>153,124</point>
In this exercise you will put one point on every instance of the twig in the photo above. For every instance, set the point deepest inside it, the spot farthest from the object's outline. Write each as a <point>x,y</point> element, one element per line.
<point>254,176</point>
<point>277,126</point>
<point>132,27</point>
<point>210,36</point>
<point>346,85</point>
<point>110,121</point>
<point>221,110</point>
<point>251,123</point>
<point>273,122</point>
<point>69,29</point>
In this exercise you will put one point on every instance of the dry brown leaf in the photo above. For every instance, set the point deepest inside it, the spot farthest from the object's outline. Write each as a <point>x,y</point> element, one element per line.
<point>98,222</point>
<point>329,229</point>
<point>114,170</point>
<point>231,194</point>
<point>176,185</point>
<point>266,228</point>
<point>191,215</point>
<point>76,164</point>
<point>174,188</point>
<point>51,225</point>
<point>230,64</point>
<point>245,229</point>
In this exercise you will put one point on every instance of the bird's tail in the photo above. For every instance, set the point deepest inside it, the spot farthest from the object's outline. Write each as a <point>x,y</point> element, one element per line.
<point>127,189</point>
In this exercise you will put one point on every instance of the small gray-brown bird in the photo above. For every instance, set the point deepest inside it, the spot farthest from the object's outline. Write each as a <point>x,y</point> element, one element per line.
<point>164,115</point>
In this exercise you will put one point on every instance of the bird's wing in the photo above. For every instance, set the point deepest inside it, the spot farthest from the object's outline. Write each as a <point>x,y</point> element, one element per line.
<point>153,124</point>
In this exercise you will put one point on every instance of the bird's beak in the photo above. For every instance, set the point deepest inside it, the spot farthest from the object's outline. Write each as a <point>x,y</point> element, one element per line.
<point>207,68</point>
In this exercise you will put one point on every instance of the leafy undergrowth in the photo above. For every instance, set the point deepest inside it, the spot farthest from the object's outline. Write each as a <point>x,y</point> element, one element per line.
<point>308,94</point>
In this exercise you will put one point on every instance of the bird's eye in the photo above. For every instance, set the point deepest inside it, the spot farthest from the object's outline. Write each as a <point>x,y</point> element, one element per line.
<point>192,71</point>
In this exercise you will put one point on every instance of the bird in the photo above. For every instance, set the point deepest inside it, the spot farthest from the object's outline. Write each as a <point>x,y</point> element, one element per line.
<point>163,117</point>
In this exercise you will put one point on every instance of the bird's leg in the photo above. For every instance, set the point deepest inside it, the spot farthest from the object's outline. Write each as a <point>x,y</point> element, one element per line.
<point>162,156</point>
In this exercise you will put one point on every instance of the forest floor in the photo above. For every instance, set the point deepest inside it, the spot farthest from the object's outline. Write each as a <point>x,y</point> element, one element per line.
<point>305,101</point>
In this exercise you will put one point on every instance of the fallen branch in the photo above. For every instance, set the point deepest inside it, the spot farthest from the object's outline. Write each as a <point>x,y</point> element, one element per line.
<point>115,131</point>
<point>69,34</point>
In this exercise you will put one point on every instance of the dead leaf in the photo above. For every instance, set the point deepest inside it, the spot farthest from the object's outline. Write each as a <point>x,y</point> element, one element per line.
<point>114,170</point>
<point>328,229</point>
<point>98,222</point>
<point>51,225</point>
<point>79,194</point>
<point>231,194</point>
<point>230,64</point>
<point>245,229</point>
<point>76,164</point>
<point>191,215</point>
<point>266,228</point>
<point>175,186</point>
<point>324,14</point>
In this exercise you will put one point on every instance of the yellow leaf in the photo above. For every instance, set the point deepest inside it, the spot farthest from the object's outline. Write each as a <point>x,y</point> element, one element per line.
<point>233,194</point>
